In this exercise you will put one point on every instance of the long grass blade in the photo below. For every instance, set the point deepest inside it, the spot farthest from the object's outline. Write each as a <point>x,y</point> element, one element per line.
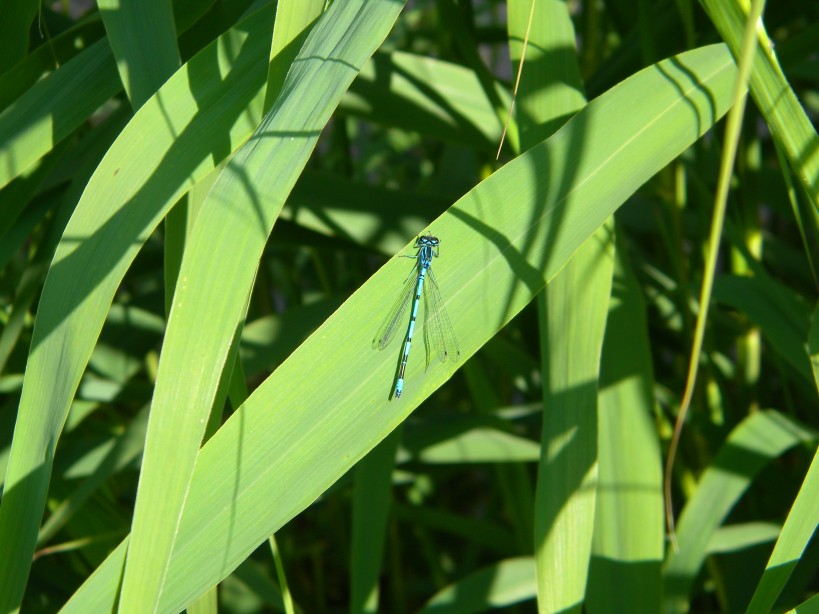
<point>292,439</point>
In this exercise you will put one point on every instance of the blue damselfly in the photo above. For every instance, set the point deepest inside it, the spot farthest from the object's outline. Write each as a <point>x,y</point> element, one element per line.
<point>438,332</point>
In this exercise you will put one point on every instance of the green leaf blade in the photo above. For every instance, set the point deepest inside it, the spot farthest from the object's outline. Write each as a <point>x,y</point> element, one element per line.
<point>99,244</point>
<point>143,39</point>
<point>217,274</point>
<point>292,439</point>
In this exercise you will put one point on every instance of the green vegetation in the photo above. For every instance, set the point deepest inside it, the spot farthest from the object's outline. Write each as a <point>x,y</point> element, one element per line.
<point>198,206</point>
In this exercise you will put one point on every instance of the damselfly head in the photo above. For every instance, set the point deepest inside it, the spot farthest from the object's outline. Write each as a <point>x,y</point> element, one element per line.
<point>427,240</point>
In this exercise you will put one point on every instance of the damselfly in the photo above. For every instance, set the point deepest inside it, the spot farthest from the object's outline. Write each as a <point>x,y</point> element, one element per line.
<point>438,332</point>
